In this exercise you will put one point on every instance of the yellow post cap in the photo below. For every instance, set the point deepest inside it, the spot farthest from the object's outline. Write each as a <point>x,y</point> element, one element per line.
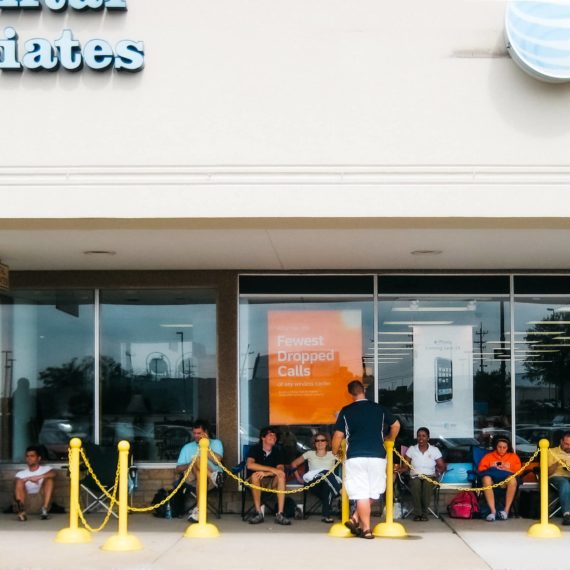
<point>124,446</point>
<point>75,442</point>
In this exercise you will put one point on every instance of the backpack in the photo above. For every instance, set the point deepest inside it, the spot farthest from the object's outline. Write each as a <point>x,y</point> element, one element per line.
<point>463,506</point>
<point>160,512</point>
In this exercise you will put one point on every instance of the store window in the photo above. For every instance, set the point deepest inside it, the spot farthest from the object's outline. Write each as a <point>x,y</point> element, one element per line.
<point>46,371</point>
<point>158,368</point>
<point>444,363</point>
<point>542,333</point>
<point>300,345</point>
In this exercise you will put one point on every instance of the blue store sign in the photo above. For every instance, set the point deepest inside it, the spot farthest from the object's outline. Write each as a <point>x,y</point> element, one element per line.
<point>538,38</point>
<point>66,51</point>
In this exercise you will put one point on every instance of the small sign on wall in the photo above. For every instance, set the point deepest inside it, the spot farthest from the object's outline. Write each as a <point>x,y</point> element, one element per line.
<point>4,277</point>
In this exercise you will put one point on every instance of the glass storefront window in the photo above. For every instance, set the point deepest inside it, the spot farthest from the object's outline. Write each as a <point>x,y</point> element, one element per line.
<point>542,356</point>
<point>297,356</point>
<point>46,371</point>
<point>444,363</point>
<point>158,368</point>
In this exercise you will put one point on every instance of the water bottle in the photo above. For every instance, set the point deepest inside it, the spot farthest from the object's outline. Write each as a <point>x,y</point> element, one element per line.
<point>168,511</point>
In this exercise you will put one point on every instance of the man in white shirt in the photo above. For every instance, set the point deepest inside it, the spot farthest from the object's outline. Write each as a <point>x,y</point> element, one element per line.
<point>34,483</point>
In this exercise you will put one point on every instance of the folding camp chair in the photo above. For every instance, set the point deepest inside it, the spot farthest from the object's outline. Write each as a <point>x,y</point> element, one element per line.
<point>103,461</point>
<point>214,508</point>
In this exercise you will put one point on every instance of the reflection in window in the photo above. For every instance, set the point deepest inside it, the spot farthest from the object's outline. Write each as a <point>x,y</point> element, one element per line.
<point>296,359</point>
<point>444,364</point>
<point>158,368</point>
<point>46,371</point>
<point>542,338</point>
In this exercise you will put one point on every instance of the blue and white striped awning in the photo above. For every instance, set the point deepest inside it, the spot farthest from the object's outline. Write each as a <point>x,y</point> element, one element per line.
<point>538,37</point>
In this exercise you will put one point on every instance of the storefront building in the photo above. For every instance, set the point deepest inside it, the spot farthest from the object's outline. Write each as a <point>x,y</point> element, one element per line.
<point>272,201</point>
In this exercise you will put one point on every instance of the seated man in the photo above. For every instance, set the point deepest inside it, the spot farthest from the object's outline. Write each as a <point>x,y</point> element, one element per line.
<point>33,487</point>
<point>200,429</point>
<point>266,468</point>
<point>560,476</point>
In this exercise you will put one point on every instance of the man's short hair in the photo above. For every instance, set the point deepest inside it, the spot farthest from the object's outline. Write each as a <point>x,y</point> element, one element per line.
<point>565,435</point>
<point>355,387</point>
<point>35,449</point>
<point>202,424</point>
<point>264,431</point>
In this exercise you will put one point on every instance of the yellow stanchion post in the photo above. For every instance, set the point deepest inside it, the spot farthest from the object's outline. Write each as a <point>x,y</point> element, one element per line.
<point>73,534</point>
<point>203,529</point>
<point>544,529</point>
<point>389,529</point>
<point>338,530</point>
<point>123,541</point>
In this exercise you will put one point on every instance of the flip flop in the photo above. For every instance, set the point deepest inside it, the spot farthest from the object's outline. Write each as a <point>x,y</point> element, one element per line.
<point>367,534</point>
<point>353,527</point>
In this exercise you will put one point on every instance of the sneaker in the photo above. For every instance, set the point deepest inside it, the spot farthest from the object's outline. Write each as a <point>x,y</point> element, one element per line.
<point>193,516</point>
<point>490,517</point>
<point>280,518</point>
<point>21,512</point>
<point>44,514</point>
<point>502,515</point>
<point>566,519</point>
<point>256,518</point>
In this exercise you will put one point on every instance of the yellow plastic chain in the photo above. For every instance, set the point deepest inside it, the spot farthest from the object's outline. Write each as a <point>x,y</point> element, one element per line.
<point>471,489</point>
<point>172,493</point>
<point>558,460</point>
<point>276,491</point>
<point>112,497</point>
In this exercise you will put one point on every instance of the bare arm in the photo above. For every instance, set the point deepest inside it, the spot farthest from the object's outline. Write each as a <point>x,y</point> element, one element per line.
<point>337,438</point>
<point>394,431</point>
<point>253,466</point>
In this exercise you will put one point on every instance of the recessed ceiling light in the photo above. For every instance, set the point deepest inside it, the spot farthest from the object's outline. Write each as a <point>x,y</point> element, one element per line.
<point>99,252</point>
<point>426,252</point>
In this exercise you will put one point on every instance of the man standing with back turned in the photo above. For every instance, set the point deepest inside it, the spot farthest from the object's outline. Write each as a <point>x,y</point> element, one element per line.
<point>362,424</point>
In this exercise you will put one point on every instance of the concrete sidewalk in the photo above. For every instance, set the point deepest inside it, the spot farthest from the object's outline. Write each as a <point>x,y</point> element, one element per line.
<point>435,545</point>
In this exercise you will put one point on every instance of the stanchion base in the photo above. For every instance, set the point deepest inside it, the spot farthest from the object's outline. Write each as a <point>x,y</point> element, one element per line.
<point>122,543</point>
<point>338,530</point>
<point>390,530</point>
<point>73,536</point>
<point>207,530</point>
<point>548,530</point>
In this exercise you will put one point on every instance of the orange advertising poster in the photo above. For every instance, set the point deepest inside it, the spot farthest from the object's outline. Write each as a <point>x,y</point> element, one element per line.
<point>313,355</point>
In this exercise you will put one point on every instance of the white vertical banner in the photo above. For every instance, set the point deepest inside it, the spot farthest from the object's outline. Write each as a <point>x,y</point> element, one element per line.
<point>443,380</point>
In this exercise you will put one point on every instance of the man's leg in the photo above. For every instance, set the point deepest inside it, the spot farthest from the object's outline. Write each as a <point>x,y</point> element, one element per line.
<point>256,493</point>
<point>563,486</point>
<point>47,492</point>
<point>363,509</point>
<point>281,484</point>
<point>20,498</point>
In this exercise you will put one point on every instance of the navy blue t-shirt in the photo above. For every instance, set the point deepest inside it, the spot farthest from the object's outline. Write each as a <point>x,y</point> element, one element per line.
<point>362,423</point>
<point>272,459</point>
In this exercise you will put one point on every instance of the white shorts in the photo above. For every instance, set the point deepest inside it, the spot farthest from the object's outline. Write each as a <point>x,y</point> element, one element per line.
<point>365,477</point>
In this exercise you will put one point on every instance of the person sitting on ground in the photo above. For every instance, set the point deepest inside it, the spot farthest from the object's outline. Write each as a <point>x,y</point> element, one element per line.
<point>200,429</point>
<point>34,485</point>
<point>560,476</point>
<point>495,467</point>
<point>321,460</point>
<point>427,460</point>
<point>266,468</point>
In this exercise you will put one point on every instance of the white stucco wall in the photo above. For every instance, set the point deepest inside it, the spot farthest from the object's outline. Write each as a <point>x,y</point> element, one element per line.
<point>252,83</point>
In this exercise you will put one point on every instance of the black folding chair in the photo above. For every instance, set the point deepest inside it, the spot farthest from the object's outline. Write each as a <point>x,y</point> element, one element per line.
<point>103,461</point>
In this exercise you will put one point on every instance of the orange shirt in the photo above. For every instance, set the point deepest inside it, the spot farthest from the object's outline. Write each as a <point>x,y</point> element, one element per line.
<point>509,461</point>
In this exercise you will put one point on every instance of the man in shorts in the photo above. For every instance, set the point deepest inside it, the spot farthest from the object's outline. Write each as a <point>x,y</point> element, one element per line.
<point>266,468</point>
<point>33,487</point>
<point>362,424</point>
<point>200,429</point>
